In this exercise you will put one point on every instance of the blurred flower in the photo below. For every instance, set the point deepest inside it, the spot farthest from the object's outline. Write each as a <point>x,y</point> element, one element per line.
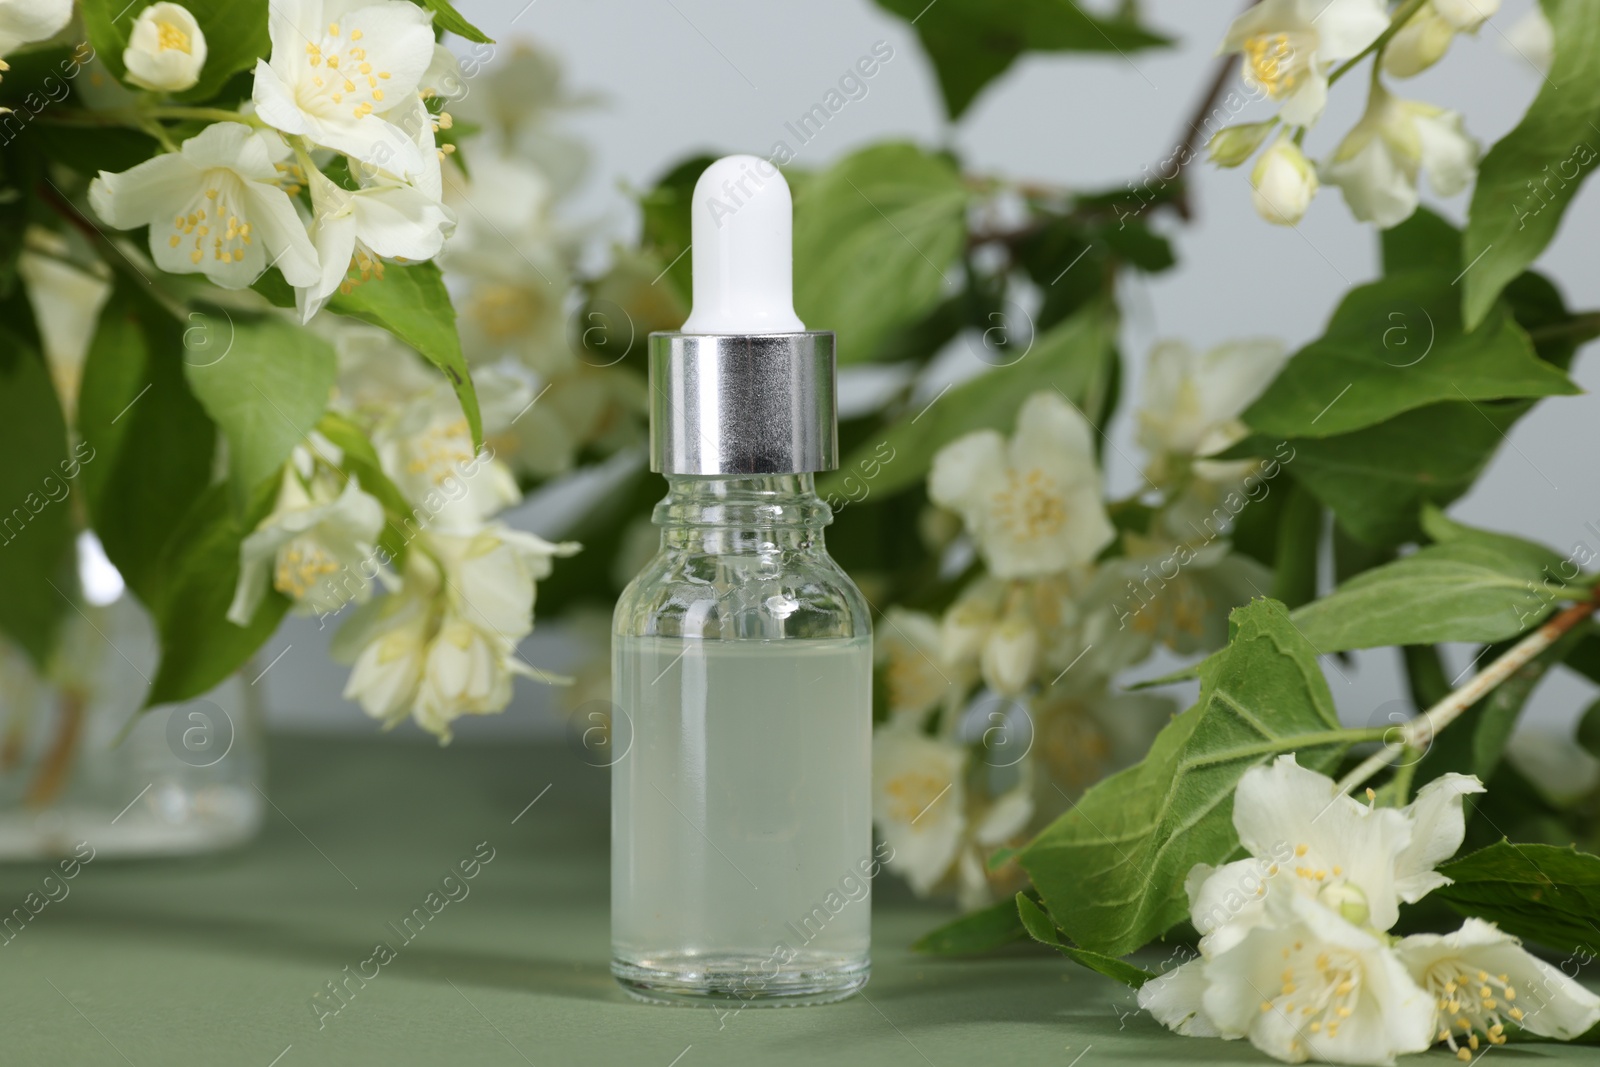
<point>1010,655</point>
<point>312,548</point>
<point>916,675</point>
<point>1006,818</point>
<point>427,451</point>
<point>918,801</point>
<point>1425,37</point>
<point>166,49</point>
<point>206,205</point>
<point>1178,593</point>
<point>334,66</point>
<point>1531,38</point>
<point>1032,505</point>
<point>1232,145</point>
<point>1282,183</point>
<point>1481,979</point>
<point>1191,402</point>
<point>66,302</point>
<point>25,21</point>
<point>1289,46</point>
<point>1376,165</point>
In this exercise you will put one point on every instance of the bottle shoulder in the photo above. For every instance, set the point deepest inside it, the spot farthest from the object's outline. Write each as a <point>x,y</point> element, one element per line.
<point>785,593</point>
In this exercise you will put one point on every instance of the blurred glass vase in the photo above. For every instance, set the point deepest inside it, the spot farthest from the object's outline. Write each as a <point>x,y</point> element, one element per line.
<point>79,761</point>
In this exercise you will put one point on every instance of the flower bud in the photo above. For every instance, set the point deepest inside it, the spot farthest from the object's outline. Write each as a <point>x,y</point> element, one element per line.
<point>1284,183</point>
<point>1349,901</point>
<point>1419,44</point>
<point>1232,145</point>
<point>1009,657</point>
<point>165,50</point>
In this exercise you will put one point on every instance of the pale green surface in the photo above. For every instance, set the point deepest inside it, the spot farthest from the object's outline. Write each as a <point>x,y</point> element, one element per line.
<point>214,961</point>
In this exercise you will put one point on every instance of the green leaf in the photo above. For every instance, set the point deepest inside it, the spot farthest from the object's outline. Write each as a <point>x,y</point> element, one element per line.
<point>446,17</point>
<point>1377,479</point>
<point>1073,357</point>
<point>265,384</point>
<point>874,238</point>
<point>1396,345</point>
<point>973,42</point>
<point>666,225</point>
<point>1458,591</point>
<point>235,32</point>
<point>1043,930</point>
<point>1531,174</point>
<point>1111,870</point>
<point>1294,579</point>
<point>1539,892</point>
<point>199,646</point>
<point>412,303</point>
<point>36,477</point>
<point>153,442</point>
<point>978,931</point>
<point>1588,734</point>
<point>1425,241</point>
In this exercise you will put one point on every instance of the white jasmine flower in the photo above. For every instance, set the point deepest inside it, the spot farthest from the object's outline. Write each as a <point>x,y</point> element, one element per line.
<point>213,208</point>
<point>1311,985</point>
<point>1282,183</point>
<point>314,548</point>
<point>1482,980</point>
<point>390,641</point>
<point>918,801</point>
<point>1304,837</point>
<point>492,573</point>
<point>1532,39</point>
<point>1174,998</point>
<point>468,672</point>
<point>25,21</point>
<point>1010,655</point>
<point>1426,36</point>
<point>1290,45</point>
<point>1376,165</point>
<point>916,674</point>
<point>427,452</point>
<point>1191,402</point>
<point>1006,818</point>
<point>166,49</point>
<point>1032,505</point>
<point>335,64</point>
<point>358,229</point>
<point>66,304</point>
<point>966,624</point>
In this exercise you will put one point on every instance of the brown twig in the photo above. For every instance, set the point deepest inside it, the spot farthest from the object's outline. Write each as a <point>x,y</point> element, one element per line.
<point>56,767</point>
<point>1418,733</point>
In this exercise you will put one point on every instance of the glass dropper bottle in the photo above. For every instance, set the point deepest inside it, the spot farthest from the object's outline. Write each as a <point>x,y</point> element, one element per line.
<point>741,840</point>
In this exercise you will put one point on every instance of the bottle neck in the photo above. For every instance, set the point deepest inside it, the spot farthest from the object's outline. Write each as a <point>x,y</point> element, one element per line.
<point>744,514</point>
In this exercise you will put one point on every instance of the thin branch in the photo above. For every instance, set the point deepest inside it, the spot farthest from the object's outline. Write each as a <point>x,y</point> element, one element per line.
<point>1418,733</point>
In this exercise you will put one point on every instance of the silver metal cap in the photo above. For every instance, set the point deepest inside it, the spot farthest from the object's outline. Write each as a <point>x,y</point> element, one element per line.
<point>742,403</point>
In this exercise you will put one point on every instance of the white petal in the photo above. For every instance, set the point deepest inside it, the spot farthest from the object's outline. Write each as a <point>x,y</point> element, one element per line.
<point>966,470</point>
<point>156,189</point>
<point>1375,185</point>
<point>1304,105</point>
<point>1437,830</point>
<point>1449,156</point>
<point>273,218</point>
<point>274,100</point>
<point>1175,1000</point>
<point>1345,27</point>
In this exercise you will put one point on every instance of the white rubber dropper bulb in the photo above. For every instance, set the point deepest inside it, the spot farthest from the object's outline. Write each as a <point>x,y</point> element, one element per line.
<point>742,228</point>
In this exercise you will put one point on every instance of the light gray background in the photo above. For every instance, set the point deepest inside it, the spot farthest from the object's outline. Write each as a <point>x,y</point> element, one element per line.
<point>722,75</point>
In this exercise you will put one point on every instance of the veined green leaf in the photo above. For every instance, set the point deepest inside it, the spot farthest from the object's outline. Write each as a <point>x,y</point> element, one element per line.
<point>1043,930</point>
<point>1461,590</point>
<point>446,17</point>
<point>1111,870</point>
<point>35,483</point>
<point>265,385</point>
<point>1073,358</point>
<point>973,42</point>
<point>1531,174</point>
<point>1539,892</point>
<point>199,646</point>
<point>1396,345</point>
<point>875,237</point>
<point>152,440</point>
<point>983,930</point>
